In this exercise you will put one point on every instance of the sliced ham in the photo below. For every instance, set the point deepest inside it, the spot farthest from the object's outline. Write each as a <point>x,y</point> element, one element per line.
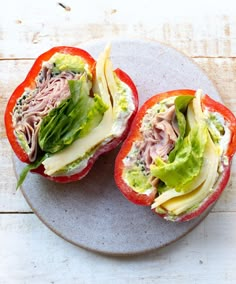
<point>159,137</point>
<point>49,91</point>
<point>168,114</point>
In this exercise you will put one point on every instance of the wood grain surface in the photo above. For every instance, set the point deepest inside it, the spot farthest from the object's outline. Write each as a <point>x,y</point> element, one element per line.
<point>206,32</point>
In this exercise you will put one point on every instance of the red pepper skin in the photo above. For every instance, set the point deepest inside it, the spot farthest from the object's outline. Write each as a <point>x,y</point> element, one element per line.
<point>144,199</point>
<point>29,82</point>
<point>107,147</point>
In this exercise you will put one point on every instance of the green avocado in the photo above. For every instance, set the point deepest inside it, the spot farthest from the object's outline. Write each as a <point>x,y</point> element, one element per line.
<point>137,179</point>
<point>64,62</point>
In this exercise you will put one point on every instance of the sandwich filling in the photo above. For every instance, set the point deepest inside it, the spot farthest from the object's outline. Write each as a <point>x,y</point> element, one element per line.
<point>69,113</point>
<point>180,154</point>
<point>51,88</point>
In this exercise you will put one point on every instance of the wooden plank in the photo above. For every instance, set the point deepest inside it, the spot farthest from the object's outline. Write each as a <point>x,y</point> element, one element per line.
<point>33,254</point>
<point>9,81</point>
<point>197,29</point>
<point>203,30</point>
<point>222,71</point>
<point>10,199</point>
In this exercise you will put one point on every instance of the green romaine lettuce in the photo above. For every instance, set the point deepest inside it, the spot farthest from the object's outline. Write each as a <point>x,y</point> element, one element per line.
<point>187,163</point>
<point>181,104</point>
<point>75,117</point>
<point>186,159</point>
<point>28,168</point>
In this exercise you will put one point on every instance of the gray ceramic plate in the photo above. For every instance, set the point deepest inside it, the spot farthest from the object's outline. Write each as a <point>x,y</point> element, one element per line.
<point>92,213</point>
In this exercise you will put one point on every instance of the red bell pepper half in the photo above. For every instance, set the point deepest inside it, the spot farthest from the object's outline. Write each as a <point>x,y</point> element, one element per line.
<point>67,96</point>
<point>178,154</point>
<point>30,82</point>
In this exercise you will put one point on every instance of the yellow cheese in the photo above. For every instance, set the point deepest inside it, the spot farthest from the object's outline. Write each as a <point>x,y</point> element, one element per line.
<point>171,193</point>
<point>180,204</point>
<point>165,196</point>
<point>79,148</point>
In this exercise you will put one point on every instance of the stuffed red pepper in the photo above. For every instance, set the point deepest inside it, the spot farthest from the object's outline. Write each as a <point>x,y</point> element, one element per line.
<point>69,110</point>
<point>177,156</point>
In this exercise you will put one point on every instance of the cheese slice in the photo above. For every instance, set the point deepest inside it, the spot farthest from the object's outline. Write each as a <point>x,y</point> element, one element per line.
<point>171,193</point>
<point>111,82</point>
<point>82,145</point>
<point>180,204</point>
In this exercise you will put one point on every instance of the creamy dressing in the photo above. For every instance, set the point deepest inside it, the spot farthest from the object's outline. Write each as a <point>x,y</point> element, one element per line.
<point>122,113</point>
<point>223,139</point>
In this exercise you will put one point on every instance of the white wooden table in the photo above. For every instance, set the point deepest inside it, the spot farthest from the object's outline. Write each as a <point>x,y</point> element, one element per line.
<point>204,31</point>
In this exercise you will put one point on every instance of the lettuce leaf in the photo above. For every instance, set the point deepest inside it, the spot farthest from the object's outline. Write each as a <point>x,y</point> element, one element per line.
<point>187,162</point>
<point>186,159</point>
<point>28,168</point>
<point>181,104</point>
<point>75,117</point>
